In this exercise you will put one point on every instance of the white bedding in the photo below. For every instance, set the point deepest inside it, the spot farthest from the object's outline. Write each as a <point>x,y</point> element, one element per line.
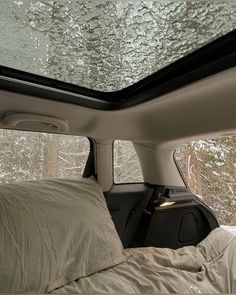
<point>57,236</point>
<point>210,267</point>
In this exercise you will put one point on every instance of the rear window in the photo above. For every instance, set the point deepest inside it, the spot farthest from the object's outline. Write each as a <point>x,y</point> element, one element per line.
<point>209,168</point>
<point>33,155</point>
<point>127,167</point>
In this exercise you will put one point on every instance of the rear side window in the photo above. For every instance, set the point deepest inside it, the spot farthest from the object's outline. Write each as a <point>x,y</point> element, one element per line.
<point>209,167</point>
<point>33,155</point>
<point>126,163</point>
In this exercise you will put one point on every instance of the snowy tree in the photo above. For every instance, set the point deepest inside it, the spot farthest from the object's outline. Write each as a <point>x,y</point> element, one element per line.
<point>209,167</point>
<point>33,155</point>
<point>127,167</point>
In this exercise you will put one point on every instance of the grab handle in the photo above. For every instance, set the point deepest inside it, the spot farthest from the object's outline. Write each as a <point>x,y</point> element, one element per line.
<point>14,119</point>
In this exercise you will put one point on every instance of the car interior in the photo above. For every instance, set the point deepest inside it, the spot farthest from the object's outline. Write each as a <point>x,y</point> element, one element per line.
<point>97,231</point>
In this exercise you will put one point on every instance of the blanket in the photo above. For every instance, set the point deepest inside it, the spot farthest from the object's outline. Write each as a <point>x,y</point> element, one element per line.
<point>210,267</point>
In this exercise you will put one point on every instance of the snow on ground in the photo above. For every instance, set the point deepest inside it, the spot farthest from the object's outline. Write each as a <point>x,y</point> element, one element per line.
<point>230,228</point>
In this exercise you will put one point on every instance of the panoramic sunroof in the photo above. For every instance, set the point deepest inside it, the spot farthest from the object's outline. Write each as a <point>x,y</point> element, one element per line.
<point>107,45</point>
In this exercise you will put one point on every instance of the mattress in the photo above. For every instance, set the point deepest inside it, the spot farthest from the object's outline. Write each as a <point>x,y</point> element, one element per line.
<point>210,267</point>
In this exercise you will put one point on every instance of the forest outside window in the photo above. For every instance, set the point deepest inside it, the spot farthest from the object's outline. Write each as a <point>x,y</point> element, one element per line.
<point>33,155</point>
<point>126,163</point>
<point>209,167</point>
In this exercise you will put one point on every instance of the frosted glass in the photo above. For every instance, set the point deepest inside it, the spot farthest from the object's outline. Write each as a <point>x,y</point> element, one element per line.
<point>107,45</point>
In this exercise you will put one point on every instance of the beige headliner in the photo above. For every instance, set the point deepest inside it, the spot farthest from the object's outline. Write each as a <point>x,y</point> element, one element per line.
<point>204,108</point>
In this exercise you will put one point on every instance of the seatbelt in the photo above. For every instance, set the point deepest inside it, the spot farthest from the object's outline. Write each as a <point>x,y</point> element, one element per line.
<point>141,230</point>
<point>134,218</point>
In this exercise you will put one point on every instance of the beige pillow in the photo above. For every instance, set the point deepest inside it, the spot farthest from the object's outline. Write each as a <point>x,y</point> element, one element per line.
<point>53,232</point>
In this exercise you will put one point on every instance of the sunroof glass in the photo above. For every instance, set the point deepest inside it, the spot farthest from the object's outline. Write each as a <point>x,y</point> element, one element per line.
<point>107,45</point>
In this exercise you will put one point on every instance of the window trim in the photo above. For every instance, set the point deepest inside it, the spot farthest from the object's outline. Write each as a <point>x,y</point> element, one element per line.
<point>90,169</point>
<point>179,170</point>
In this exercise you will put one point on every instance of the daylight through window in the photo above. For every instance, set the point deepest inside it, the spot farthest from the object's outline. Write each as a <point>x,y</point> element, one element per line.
<point>209,167</point>
<point>127,167</point>
<point>107,45</point>
<point>33,155</point>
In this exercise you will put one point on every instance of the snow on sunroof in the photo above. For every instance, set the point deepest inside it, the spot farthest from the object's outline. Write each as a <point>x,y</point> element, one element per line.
<point>107,45</point>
